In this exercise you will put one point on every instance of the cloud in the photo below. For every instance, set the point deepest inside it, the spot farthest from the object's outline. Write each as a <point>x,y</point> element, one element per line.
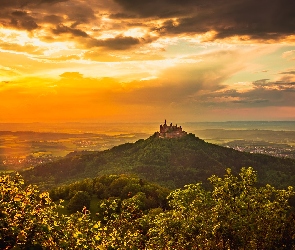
<point>122,16</point>
<point>54,19</point>
<point>30,15</point>
<point>274,94</point>
<point>101,55</point>
<point>155,8</point>
<point>290,55</point>
<point>27,48</point>
<point>291,72</point>
<point>158,54</point>
<point>22,20</point>
<point>117,43</point>
<point>257,19</point>
<point>265,93</point>
<point>71,75</point>
<point>62,58</point>
<point>283,83</point>
<point>52,1</point>
<point>61,29</point>
<point>195,87</point>
<point>191,79</point>
<point>7,72</point>
<point>244,19</point>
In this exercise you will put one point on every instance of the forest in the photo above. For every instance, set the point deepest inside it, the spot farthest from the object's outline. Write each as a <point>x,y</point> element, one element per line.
<point>235,213</point>
<point>172,163</point>
<point>178,193</point>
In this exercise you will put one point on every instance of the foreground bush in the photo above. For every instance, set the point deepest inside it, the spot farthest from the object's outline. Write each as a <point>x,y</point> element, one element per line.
<point>236,214</point>
<point>29,220</point>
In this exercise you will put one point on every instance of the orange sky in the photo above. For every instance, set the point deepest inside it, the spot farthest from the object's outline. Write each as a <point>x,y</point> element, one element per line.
<point>127,60</point>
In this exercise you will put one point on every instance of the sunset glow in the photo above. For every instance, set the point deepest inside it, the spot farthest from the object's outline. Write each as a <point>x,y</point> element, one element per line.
<point>127,61</point>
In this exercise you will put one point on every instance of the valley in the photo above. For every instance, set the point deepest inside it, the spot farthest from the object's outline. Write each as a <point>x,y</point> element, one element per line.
<point>98,184</point>
<point>26,145</point>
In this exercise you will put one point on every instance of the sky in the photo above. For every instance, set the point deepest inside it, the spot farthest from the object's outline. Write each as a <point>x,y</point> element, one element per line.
<point>146,61</point>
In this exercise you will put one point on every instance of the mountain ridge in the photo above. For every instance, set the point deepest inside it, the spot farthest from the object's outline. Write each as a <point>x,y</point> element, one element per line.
<point>172,162</point>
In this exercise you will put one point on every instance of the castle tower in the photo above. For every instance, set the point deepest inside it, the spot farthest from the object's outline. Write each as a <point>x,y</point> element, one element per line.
<point>170,131</point>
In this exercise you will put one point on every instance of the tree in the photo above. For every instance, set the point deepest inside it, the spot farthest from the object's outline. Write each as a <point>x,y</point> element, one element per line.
<point>80,200</point>
<point>247,216</point>
<point>124,230</point>
<point>30,220</point>
<point>235,215</point>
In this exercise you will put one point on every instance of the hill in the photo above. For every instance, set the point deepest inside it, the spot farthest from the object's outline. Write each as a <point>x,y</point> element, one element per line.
<point>172,162</point>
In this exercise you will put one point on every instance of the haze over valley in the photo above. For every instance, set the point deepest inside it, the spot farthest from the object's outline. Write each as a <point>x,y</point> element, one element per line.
<point>27,145</point>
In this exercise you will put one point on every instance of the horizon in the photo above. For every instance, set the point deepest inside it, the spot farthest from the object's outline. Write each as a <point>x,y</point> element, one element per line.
<point>120,61</point>
<point>143,122</point>
<point>141,127</point>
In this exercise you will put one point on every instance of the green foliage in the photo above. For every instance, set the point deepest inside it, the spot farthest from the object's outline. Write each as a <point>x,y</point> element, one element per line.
<point>80,200</point>
<point>124,230</point>
<point>170,162</point>
<point>111,187</point>
<point>29,220</point>
<point>109,209</point>
<point>235,214</point>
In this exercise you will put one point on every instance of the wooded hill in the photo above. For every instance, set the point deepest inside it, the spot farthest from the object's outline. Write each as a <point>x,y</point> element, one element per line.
<point>170,162</point>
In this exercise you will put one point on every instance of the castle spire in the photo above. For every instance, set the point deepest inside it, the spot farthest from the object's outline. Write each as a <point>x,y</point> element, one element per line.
<point>170,131</point>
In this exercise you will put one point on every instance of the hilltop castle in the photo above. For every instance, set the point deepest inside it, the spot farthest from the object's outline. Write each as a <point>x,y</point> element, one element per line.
<point>170,131</point>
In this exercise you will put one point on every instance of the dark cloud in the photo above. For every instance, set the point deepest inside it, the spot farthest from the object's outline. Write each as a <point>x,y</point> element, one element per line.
<point>28,24</point>
<point>121,16</point>
<point>30,15</point>
<point>258,19</point>
<point>159,8</point>
<point>27,3</point>
<point>117,43</point>
<point>19,19</point>
<point>264,94</point>
<point>291,72</point>
<point>19,13</point>
<point>283,84</point>
<point>54,19</point>
<point>261,83</point>
<point>267,97</point>
<point>251,101</point>
<point>61,29</point>
<point>52,1</point>
<point>80,13</point>
<point>261,20</point>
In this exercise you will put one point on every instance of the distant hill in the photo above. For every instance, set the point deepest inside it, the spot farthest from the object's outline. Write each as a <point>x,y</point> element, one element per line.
<point>172,162</point>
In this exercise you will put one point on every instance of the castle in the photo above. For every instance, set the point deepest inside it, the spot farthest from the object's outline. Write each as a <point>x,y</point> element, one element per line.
<point>170,131</point>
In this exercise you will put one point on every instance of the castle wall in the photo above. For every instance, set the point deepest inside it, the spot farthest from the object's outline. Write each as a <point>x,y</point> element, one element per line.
<point>171,131</point>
